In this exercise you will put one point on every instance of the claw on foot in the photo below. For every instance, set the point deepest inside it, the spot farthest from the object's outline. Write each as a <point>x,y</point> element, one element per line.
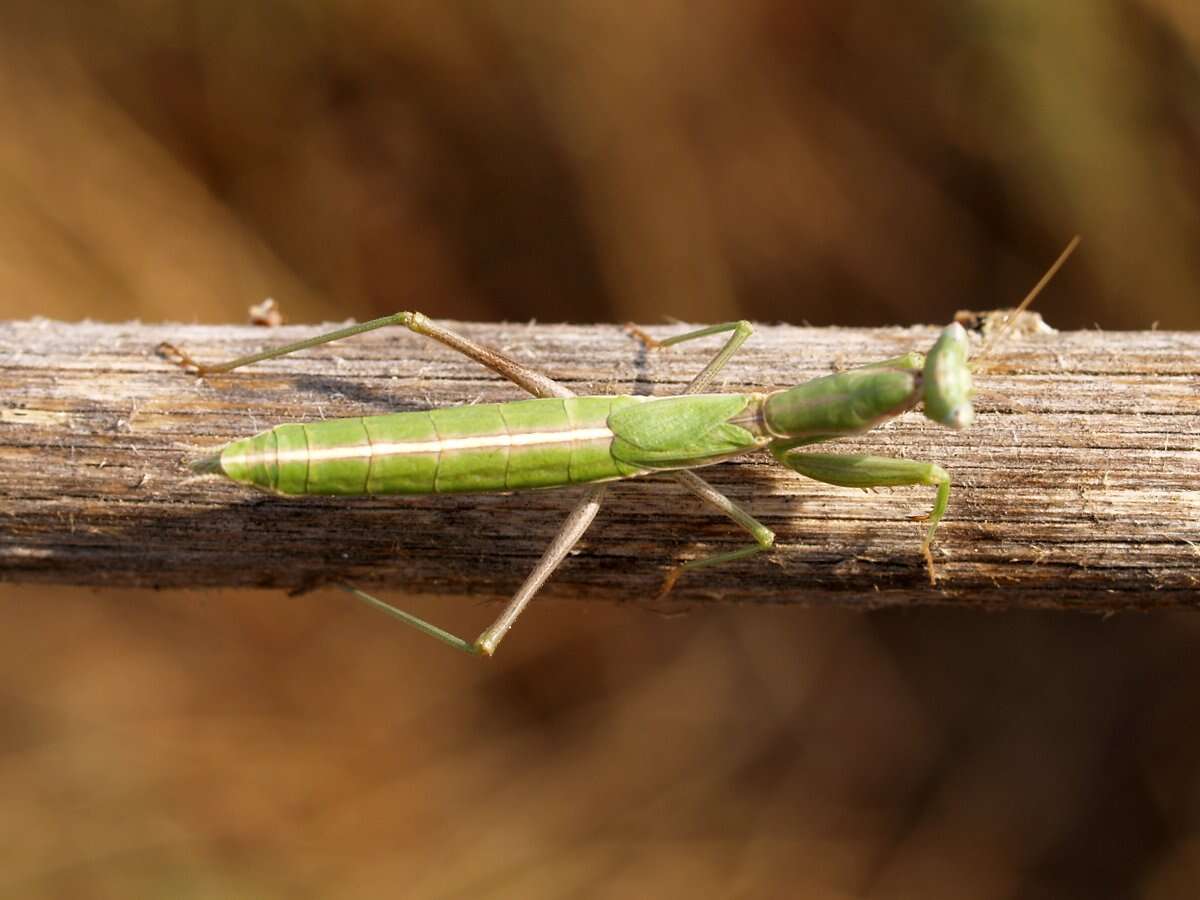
<point>173,354</point>
<point>651,343</point>
<point>669,582</point>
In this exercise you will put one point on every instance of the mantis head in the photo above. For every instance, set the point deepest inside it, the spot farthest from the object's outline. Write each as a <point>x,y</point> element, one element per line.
<point>946,380</point>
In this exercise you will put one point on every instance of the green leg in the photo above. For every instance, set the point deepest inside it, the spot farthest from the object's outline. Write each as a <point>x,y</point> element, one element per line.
<point>849,470</point>
<point>409,619</point>
<point>531,380</point>
<point>741,330</point>
<point>764,538</point>
<point>485,645</point>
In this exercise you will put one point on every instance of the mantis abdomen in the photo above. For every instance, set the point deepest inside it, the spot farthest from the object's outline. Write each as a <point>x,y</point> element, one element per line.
<point>465,449</point>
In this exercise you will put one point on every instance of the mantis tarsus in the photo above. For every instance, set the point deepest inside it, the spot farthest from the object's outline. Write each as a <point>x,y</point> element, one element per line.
<point>559,439</point>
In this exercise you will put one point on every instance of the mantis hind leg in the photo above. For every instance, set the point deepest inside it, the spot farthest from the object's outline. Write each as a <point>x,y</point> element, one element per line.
<point>533,381</point>
<point>485,645</point>
<point>847,470</point>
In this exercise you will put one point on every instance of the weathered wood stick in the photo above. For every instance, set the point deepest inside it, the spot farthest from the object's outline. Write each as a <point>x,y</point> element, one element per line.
<point>1078,486</point>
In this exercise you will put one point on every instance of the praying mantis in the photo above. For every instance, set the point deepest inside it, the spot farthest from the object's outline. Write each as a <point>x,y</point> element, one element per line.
<point>559,439</point>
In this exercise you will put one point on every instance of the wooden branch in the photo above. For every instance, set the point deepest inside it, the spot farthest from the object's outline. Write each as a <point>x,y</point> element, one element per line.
<point>1079,485</point>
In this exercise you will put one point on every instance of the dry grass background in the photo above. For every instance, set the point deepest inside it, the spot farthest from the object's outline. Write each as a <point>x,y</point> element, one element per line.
<point>860,164</point>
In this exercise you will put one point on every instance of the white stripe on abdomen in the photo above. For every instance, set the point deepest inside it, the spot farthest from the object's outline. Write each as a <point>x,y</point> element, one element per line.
<point>406,448</point>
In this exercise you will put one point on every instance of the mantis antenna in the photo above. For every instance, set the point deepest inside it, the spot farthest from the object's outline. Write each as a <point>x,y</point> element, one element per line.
<point>1013,317</point>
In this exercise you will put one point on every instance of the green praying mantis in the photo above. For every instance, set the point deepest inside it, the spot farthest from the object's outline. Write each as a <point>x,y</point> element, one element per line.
<point>559,439</point>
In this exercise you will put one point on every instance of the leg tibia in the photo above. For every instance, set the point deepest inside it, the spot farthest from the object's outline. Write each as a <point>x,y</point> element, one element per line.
<point>176,355</point>
<point>416,622</point>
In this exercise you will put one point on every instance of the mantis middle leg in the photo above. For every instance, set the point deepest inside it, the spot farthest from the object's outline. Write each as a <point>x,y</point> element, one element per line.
<point>741,331</point>
<point>764,538</point>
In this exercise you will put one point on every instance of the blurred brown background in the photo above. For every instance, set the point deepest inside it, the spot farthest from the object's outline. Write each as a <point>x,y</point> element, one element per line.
<point>803,161</point>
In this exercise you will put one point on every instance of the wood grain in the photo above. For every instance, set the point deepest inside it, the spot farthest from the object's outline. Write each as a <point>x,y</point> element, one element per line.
<point>1078,487</point>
